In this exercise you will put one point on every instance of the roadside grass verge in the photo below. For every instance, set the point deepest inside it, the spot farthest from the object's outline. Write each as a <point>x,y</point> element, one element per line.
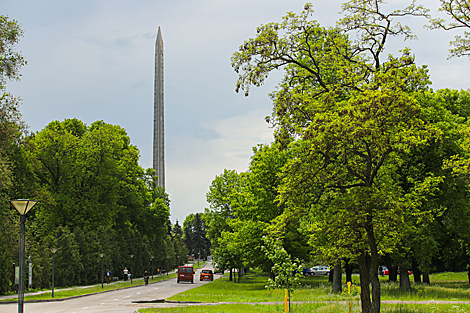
<point>312,307</point>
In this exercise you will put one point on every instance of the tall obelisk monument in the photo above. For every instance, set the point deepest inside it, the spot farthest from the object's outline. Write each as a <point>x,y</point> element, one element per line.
<point>158,120</point>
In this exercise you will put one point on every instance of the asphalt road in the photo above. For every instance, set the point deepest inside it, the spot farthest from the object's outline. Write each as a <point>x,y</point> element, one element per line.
<point>120,301</point>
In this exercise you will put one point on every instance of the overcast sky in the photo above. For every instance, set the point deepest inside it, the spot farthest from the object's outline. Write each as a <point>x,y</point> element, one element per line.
<point>94,60</point>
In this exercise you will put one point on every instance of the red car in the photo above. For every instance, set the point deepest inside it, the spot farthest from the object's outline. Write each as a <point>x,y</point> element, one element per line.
<point>185,273</point>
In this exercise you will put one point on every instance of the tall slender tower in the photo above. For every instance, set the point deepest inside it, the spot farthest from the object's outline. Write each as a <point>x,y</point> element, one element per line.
<point>158,120</point>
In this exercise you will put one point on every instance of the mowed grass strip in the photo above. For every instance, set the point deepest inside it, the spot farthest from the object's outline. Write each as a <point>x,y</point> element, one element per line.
<point>444,286</point>
<point>252,289</point>
<point>312,307</point>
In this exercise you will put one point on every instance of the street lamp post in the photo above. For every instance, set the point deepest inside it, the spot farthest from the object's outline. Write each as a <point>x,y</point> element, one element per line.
<point>101,256</point>
<point>53,250</point>
<point>132,265</point>
<point>152,264</point>
<point>198,258</point>
<point>22,206</point>
<point>167,260</point>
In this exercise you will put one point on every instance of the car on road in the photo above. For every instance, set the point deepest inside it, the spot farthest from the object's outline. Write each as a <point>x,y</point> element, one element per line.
<point>185,273</point>
<point>206,274</point>
<point>320,270</point>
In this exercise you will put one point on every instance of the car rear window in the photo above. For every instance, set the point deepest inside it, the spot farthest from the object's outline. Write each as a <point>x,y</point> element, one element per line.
<point>206,271</point>
<point>186,269</point>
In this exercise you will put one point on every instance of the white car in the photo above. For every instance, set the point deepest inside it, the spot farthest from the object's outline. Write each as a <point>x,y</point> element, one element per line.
<point>320,270</point>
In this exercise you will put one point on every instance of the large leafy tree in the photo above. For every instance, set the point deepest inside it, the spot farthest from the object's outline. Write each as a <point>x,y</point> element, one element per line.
<point>92,187</point>
<point>195,235</point>
<point>354,118</point>
<point>86,171</point>
<point>11,129</point>
<point>222,192</point>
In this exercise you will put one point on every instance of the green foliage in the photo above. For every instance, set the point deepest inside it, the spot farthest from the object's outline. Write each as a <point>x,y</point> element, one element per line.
<point>220,197</point>
<point>10,60</point>
<point>94,198</point>
<point>11,129</point>
<point>195,235</point>
<point>349,118</point>
<point>287,273</point>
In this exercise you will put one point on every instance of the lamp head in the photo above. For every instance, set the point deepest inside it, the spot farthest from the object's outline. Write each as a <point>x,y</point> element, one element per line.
<point>23,205</point>
<point>53,250</point>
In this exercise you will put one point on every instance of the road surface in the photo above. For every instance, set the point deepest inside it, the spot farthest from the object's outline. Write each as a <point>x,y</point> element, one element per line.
<point>119,301</point>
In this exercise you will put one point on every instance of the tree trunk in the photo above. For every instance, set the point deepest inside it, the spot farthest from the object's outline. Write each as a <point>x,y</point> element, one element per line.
<point>365,287</point>
<point>468,272</point>
<point>393,273</point>
<point>426,278</point>
<point>416,271</point>
<point>405,284</point>
<point>348,269</point>
<point>231,277</point>
<point>330,276</point>
<point>374,271</point>
<point>392,270</point>
<point>337,273</point>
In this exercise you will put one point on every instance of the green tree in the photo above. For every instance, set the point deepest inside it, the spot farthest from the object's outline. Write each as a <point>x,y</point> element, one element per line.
<point>287,271</point>
<point>11,129</point>
<point>195,235</point>
<point>93,189</point>
<point>355,117</point>
<point>220,197</point>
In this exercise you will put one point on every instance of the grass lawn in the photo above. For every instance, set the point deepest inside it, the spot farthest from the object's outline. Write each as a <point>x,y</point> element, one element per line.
<point>312,307</point>
<point>444,286</point>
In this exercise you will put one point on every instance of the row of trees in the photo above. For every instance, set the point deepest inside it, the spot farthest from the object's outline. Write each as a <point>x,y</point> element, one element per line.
<point>369,165</point>
<point>93,195</point>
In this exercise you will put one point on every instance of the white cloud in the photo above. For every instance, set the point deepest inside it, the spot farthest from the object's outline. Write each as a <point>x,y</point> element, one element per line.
<point>193,163</point>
